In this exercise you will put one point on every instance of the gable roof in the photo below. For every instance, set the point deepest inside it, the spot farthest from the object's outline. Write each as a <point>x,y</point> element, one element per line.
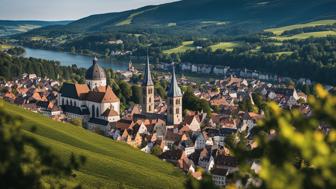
<point>102,97</point>
<point>76,91</point>
<point>110,113</point>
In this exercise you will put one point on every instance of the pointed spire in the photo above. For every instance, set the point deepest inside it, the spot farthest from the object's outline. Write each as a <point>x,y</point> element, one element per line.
<point>95,60</point>
<point>174,90</point>
<point>147,77</point>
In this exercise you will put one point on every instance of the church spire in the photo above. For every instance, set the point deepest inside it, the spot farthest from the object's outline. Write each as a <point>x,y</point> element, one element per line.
<point>147,77</point>
<point>174,89</point>
<point>95,60</point>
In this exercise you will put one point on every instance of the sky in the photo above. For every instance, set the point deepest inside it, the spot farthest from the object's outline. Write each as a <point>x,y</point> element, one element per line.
<point>66,9</point>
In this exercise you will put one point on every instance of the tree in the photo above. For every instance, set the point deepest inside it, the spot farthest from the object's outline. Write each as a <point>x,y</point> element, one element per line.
<point>156,150</point>
<point>294,151</point>
<point>125,90</point>
<point>136,94</point>
<point>77,122</point>
<point>160,90</point>
<point>206,182</point>
<point>192,102</point>
<point>25,163</point>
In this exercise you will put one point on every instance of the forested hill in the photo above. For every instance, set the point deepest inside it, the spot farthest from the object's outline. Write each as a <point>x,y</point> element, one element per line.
<point>252,14</point>
<point>10,27</point>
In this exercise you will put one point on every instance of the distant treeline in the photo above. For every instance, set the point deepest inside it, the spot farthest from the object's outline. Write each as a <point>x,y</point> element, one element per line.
<point>13,67</point>
<point>309,29</point>
<point>313,58</point>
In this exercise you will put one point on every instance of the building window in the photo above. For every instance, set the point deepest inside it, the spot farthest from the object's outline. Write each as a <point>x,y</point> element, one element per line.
<point>75,103</point>
<point>149,108</point>
<point>93,111</point>
<point>150,91</point>
<point>178,101</point>
<point>150,100</point>
<point>67,102</point>
<point>62,101</point>
<point>177,111</point>
<point>97,112</point>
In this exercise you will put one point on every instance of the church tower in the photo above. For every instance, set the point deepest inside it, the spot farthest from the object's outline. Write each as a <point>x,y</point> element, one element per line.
<point>95,76</point>
<point>174,102</point>
<point>147,91</point>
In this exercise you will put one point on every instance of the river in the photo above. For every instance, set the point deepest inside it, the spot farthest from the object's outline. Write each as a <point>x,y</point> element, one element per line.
<point>68,59</point>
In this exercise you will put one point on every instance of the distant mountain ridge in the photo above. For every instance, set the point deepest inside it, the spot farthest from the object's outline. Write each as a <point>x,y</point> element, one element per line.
<point>11,27</point>
<point>256,14</point>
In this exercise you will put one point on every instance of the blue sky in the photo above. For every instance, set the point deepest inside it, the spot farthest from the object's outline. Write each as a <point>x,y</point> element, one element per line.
<point>65,9</point>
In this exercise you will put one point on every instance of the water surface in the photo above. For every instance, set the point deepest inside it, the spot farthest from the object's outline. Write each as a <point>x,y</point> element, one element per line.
<point>68,59</point>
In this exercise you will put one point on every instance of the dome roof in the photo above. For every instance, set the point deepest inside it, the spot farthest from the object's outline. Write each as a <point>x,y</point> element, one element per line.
<point>95,72</point>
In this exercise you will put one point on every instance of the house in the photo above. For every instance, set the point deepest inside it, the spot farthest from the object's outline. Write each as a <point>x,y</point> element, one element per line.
<point>172,155</point>
<point>199,141</point>
<point>192,122</point>
<point>187,146</point>
<point>219,176</point>
<point>169,140</point>
<point>219,70</point>
<point>204,157</point>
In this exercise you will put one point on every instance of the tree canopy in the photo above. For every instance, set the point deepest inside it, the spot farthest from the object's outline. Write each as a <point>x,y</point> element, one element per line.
<point>25,163</point>
<point>294,150</point>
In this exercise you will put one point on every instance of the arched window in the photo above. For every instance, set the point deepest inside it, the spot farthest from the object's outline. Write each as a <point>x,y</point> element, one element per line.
<point>93,111</point>
<point>150,100</point>
<point>97,112</point>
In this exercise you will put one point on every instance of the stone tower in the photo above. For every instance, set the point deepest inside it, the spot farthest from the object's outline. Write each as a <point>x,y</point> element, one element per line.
<point>174,102</point>
<point>147,91</point>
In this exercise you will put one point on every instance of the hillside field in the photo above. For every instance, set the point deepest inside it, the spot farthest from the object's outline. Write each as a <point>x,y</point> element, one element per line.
<point>280,30</point>
<point>302,36</point>
<point>109,163</point>
<point>186,45</point>
<point>228,46</point>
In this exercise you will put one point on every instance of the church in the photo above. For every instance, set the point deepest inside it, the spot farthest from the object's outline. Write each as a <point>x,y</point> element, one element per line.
<point>98,106</point>
<point>174,98</point>
<point>94,102</point>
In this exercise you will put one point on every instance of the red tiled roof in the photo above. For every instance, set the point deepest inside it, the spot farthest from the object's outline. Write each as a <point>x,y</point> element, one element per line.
<point>109,112</point>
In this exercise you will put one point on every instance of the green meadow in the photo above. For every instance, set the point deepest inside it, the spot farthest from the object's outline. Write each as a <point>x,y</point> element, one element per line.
<point>186,45</point>
<point>109,164</point>
<point>280,30</point>
<point>228,46</point>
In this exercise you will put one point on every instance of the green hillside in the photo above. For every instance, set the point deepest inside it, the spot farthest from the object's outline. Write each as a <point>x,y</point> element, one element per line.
<point>109,163</point>
<point>208,16</point>
<point>10,27</point>
<point>280,30</point>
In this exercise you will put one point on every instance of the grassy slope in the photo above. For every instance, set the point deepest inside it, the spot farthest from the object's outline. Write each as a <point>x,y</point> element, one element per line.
<point>307,35</point>
<point>129,20</point>
<point>109,163</point>
<point>224,45</point>
<point>5,47</point>
<point>279,31</point>
<point>186,45</point>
